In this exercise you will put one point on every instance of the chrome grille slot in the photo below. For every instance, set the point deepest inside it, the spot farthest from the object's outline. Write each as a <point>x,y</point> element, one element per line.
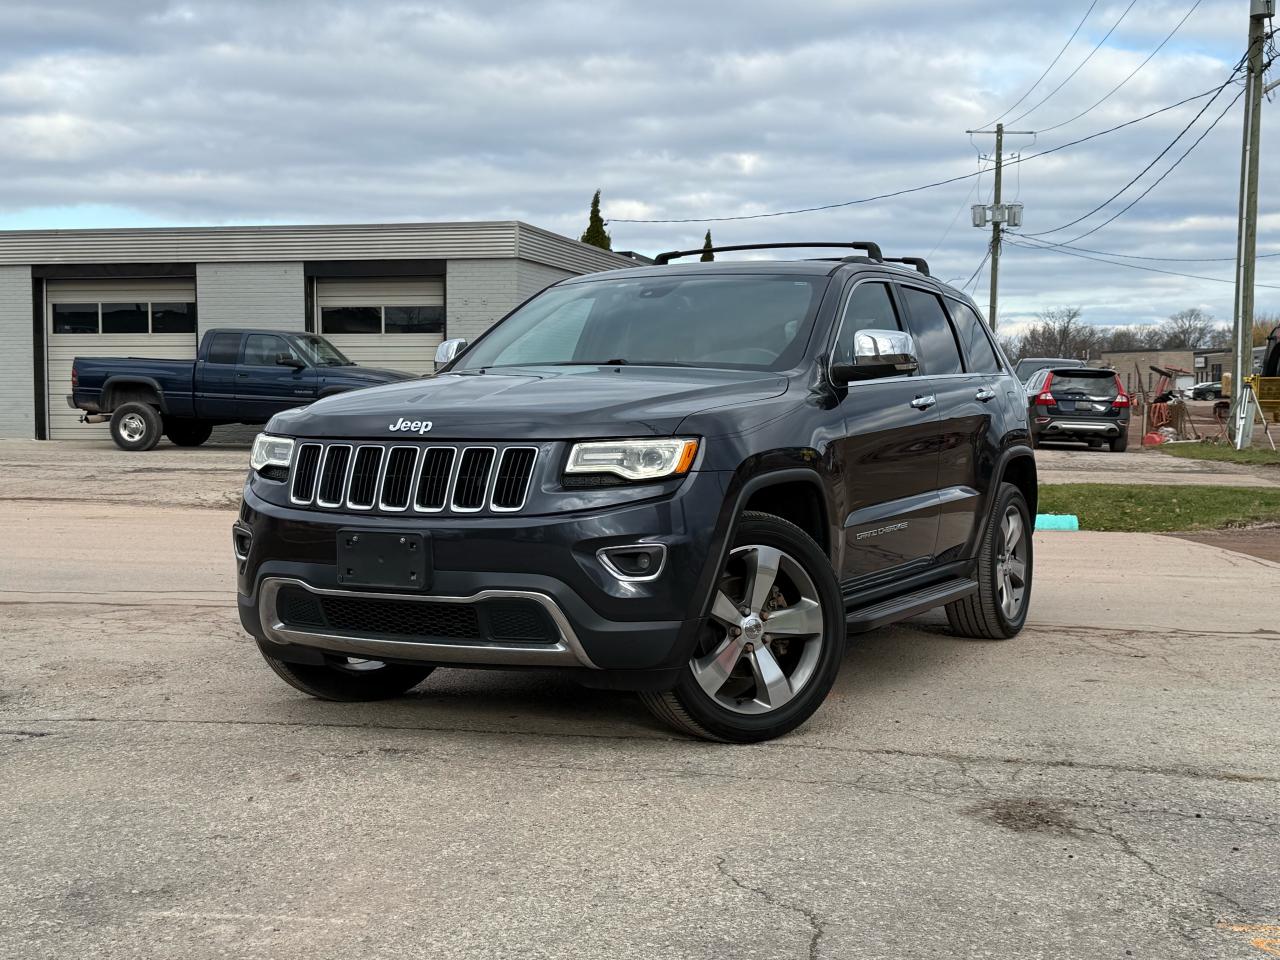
<point>397,479</point>
<point>305,471</point>
<point>363,488</point>
<point>472,482</point>
<point>515,471</point>
<point>433,478</point>
<point>333,475</point>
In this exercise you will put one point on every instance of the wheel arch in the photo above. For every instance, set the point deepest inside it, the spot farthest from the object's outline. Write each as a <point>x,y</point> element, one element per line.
<point>1018,466</point>
<point>130,389</point>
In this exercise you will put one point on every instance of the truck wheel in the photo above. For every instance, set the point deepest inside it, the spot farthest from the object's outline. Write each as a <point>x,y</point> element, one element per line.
<point>998,609</point>
<point>347,679</point>
<point>186,433</point>
<point>772,646</point>
<point>135,426</point>
<point>1120,443</point>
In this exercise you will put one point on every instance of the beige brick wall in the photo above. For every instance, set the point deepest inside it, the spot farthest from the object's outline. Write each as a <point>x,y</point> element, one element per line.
<point>477,294</point>
<point>17,381</point>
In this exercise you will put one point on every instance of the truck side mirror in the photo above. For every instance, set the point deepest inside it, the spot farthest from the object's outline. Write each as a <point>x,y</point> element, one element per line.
<point>289,360</point>
<point>877,353</point>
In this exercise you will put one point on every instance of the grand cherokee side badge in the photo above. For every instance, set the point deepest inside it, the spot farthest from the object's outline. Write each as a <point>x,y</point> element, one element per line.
<point>410,426</point>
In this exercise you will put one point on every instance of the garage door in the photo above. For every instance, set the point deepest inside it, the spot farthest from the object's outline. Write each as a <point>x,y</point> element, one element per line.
<point>396,324</point>
<point>139,318</point>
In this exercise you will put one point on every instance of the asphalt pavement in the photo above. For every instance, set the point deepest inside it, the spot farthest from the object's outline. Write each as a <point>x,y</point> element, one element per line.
<point>1103,785</point>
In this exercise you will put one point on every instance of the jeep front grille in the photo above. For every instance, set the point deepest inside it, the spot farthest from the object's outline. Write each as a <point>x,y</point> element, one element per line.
<point>418,478</point>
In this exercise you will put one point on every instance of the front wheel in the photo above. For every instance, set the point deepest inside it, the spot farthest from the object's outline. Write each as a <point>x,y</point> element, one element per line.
<point>772,645</point>
<point>348,679</point>
<point>998,609</point>
<point>135,426</point>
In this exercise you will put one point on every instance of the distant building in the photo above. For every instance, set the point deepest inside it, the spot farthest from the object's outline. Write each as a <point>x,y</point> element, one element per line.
<point>1134,366</point>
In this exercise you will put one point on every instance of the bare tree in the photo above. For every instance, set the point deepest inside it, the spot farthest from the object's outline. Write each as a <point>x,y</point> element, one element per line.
<point>1190,329</point>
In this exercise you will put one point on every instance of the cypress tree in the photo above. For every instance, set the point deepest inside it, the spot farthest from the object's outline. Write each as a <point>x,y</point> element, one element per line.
<point>595,234</point>
<point>707,255</point>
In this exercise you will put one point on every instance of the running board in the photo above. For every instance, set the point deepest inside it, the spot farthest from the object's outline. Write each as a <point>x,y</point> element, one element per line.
<point>909,605</point>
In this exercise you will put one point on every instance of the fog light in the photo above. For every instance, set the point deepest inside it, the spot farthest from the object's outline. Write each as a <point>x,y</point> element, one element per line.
<point>634,562</point>
<point>242,541</point>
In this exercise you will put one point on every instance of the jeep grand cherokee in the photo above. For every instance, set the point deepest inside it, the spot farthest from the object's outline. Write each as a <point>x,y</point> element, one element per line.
<point>691,481</point>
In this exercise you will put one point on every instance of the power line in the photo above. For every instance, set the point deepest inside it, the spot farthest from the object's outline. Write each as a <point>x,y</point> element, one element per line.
<point>1154,161</point>
<point>1078,67</point>
<point>959,210</point>
<point>1052,64</point>
<point>1134,256</point>
<point>978,269</point>
<point>1132,266</point>
<point>1174,166</point>
<point>1107,96</point>
<point>926,186</point>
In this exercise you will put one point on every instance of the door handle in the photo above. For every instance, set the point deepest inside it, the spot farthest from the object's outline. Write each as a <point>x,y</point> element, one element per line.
<point>924,403</point>
<point>985,394</point>
<point>242,376</point>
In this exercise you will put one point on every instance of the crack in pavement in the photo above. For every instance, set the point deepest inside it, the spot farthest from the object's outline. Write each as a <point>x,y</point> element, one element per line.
<point>817,926</point>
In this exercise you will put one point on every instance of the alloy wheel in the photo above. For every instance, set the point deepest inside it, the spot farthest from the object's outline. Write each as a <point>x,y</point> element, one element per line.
<point>767,631</point>
<point>1011,563</point>
<point>132,427</point>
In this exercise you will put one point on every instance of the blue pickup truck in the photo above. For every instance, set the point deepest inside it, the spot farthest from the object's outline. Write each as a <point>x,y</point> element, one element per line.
<point>238,376</point>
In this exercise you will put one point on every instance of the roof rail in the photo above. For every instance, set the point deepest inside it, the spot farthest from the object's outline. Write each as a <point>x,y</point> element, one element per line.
<point>872,249</point>
<point>918,262</point>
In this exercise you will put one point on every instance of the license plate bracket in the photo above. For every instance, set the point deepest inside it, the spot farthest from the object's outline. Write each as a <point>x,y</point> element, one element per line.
<point>384,559</point>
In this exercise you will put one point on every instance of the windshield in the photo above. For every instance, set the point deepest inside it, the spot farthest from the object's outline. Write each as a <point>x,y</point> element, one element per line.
<point>321,353</point>
<point>1084,384</point>
<point>744,321</point>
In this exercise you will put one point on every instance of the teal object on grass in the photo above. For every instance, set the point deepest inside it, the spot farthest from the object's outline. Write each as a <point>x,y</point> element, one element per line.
<point>1057,521</point>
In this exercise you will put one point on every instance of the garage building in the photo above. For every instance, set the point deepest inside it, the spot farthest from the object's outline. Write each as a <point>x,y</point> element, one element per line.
<point>385,294</point>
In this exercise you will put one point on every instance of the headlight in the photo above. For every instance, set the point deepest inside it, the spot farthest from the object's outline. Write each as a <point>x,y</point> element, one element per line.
<point>634,459</point>
<point>269,451</point>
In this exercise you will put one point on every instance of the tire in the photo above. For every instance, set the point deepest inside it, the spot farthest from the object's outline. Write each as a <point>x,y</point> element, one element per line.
<point>136,426</point>
<point>347,680</point>
<point>187,433</point>
<point>984,615</point>
<point>1120,444</point>
<point>725,697</point>
<point>1095,444</point>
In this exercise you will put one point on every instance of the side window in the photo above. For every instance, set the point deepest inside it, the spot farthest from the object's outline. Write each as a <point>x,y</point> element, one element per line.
<point>870,307</point>
<point>935,342</point>
<point>261,349</point>
<point>980,355</point>
<point>224,348</point>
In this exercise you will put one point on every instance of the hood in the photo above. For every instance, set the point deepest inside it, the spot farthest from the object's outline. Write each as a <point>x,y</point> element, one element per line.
<point>533,403</point>
<point>368,374</point>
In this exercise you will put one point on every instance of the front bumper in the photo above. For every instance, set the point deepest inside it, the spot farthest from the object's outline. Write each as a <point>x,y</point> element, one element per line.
<point>601,624</point>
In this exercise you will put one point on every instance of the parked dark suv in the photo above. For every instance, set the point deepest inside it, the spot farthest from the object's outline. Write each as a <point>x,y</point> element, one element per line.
<point>1079,403</point>
<point>689,481</point>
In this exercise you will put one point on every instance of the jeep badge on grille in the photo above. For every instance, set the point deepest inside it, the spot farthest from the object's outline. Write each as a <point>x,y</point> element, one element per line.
<point>410,426</point>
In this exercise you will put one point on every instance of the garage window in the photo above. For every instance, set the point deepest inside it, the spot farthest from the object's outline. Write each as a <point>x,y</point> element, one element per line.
<point>75,318</point>
<point>382,319</point>
<point>124,318</point>
<point>173,318</point>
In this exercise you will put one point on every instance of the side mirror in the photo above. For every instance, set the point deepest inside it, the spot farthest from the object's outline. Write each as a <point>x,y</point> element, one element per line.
<point>289,360</point>
<point>446,352</point>
<point>877,353</point>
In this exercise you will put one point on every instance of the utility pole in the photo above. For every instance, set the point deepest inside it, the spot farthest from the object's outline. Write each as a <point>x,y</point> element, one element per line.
<point>1241,417</point>
<point>998,214</point>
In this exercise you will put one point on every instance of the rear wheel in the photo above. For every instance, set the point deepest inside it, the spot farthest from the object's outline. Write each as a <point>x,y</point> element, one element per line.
<point>998,609</point>
<point>186,433</point>
<point>1120,444</point>
<point>135,426</point>
<point>772,646</point>
<point>348,679</point>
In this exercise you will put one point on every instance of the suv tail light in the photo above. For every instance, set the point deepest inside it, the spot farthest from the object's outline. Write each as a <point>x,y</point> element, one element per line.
<point>1122,398</point>
<point>75,377</point>
<point>1045,398</point>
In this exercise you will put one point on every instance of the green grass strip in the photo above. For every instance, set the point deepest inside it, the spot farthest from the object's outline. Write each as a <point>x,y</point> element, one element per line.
<point>1143,508</point>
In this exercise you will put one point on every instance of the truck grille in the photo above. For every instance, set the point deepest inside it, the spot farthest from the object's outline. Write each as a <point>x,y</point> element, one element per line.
<point>419,478</point>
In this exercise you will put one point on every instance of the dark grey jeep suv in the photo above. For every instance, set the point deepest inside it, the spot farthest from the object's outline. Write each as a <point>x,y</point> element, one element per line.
<point>691,481</point>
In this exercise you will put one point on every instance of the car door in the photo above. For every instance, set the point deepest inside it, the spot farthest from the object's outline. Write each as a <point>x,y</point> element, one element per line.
<point>887,456</point>
<point>265,387</point>
<point>978,408</point>
<point>962,417</point>
<point>216,377</point>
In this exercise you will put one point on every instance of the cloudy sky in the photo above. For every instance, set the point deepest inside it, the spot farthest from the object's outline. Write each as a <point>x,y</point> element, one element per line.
<point>152,113</point>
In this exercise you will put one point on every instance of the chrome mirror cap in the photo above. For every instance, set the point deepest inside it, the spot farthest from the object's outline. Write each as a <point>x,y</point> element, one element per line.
<point>448,350</point>
<point>877,353</point>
